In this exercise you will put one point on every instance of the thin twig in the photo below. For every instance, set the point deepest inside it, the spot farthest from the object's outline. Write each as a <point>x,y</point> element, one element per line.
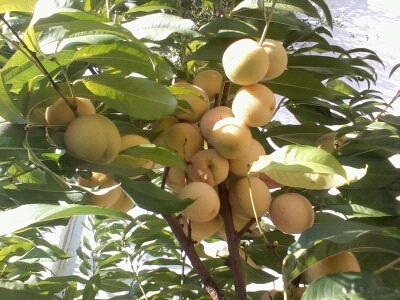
<point>42,68</point>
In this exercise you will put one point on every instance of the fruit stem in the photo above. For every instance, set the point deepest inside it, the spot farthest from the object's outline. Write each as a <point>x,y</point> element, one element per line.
<point>233,240</point>
<point>255,213</point>
<point>268,21</point>
<point>223,97</point>
<point>40,66</point>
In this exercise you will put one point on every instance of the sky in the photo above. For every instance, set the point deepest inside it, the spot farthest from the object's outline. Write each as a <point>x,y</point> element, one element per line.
<point>372,24</point>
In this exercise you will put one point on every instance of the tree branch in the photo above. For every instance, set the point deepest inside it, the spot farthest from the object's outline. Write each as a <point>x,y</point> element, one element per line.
<point>233,240</point>
<point>188,246</point>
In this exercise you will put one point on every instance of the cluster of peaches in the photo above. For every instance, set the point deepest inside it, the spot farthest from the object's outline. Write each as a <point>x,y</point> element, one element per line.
<point>215,141</point>
<point>217,144</point>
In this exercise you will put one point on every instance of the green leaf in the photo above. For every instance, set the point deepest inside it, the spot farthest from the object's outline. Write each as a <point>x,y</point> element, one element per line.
<point>25,6</point>
<point>304,134</point>
<point>305,167</point>
<point>128,57</point>
<point>152,6</point>
<point>224,26</point>
<point>134,96</point>
<point>355,238</point>
<point>298,84</point>
<point>357,286</point>
<point>92,287</point>
<point>34,213</point>
<point>159,26</point>
<point>8,110</point>
<point>150,197</point>
<point>157,154</point>
<point>11,290</point>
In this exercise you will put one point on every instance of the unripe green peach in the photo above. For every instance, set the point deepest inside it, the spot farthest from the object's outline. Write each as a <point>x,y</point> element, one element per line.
<point>230,137</point>
<point>278,58</point>
<point>248,192</point>
<point>206,205</point>
<point>211,117</point>
<point>241,166</point>
<point>185,139</point>
<point>93,138</point>
<point>59,113</point>
<point>291,213</point>
<point>199,103</point>
<point>245,62</point>
<point>338,263</point>
<point>254,105</point>
<point>209,167</point>
<point>209,81</point>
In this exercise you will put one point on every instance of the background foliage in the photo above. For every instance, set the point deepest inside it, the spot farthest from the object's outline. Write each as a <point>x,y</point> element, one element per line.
<point>123,55</point>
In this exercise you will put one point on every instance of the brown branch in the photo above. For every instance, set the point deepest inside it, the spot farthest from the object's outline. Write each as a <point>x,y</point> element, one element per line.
<point>188,246</point>
<point>233,240</point>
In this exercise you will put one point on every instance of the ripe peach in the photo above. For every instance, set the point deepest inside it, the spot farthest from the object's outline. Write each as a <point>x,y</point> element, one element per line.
<point>245,62</point>
<point>93,138</point>
<point>59,113</point>
<point>185,139</point>
<point>278,58</point>
<point>254,105</point>
<point>209,167</point>
<point>241,199</point>
<point>103,181</point>
<point>291,213</point>
<point>230,137</point>
<point>338,263</point>
<point>206,205</point>
<point>211,117</point>
<point>241,166</point>
<point>199,103</point>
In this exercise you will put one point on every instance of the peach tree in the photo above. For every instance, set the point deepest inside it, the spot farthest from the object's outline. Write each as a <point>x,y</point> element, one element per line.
<point>110,105</point>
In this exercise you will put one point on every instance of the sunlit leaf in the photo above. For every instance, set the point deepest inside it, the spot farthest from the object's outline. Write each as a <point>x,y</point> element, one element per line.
<point>159,26</point>
<point>157,154</point>
<point>305,167</point>
<point>351,286</point>
<point>298,84</point>
<point>134,96</point>
<point>8,111</point>
<point>25,6</point>
<point>34,213</point>
<point>150,197</point>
